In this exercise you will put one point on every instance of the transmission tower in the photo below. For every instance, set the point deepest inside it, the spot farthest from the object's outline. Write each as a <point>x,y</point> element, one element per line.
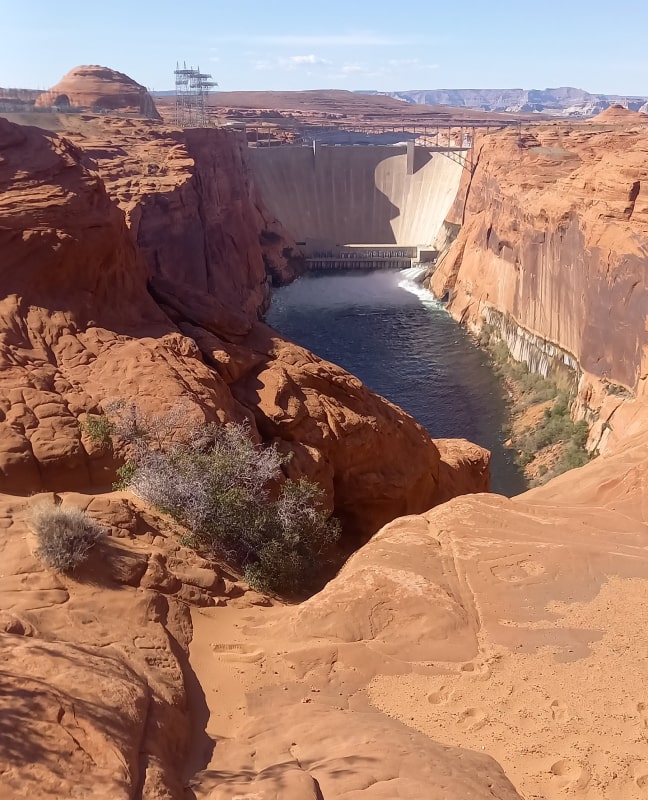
<point>191,89</point>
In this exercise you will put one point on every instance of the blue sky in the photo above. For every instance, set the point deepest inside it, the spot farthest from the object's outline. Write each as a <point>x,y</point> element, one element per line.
<point>352,44</point>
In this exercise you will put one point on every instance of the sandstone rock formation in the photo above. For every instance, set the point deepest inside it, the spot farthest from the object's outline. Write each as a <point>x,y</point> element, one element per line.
<point>94,667</point>
<point>92,332</point>
<point>102,89</point>
<point>578,229</point>
<point>619,113</point>
<point>486,630</point>
<point>189,202</point>
<point>511,627</point>
<point>93,696</point>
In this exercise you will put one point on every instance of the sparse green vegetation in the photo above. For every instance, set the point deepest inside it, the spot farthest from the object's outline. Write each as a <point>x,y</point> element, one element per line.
<point>555,431</point>
<point>229,494</point>
<point>65,536</point>
<point>99,429</point>
<point>125,475</point>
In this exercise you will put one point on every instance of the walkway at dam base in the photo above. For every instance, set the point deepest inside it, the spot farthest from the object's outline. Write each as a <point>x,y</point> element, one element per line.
<point>365,257</point>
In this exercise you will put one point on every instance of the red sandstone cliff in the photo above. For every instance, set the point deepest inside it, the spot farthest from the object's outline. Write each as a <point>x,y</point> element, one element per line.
<point>90,315</point>
<point>81,328</point>
<point>555,224</point>
<point>193,211</point>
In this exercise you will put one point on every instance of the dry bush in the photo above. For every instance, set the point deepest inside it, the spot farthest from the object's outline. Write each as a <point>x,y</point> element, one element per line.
<point>65,536</point>
<point>230,494</point>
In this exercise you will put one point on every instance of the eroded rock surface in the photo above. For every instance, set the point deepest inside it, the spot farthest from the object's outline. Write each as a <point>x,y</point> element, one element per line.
<point>487,644</point>
<point>99,88</point>
<point>100,698</point>
<point>80,328</point>
<point>93,697</point>
<point>513,628</point>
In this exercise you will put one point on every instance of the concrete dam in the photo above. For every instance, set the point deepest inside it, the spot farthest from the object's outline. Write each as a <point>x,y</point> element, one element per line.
<point>360,206</point>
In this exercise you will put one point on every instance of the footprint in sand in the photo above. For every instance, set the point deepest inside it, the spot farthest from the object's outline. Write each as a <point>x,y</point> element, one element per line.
<point>442,695</point>
<point>642,710</point>
<point>237,652</point>
<point>481,672</point>
<point>570,773</point>
<point>472,718</point>
<point>559,712</point>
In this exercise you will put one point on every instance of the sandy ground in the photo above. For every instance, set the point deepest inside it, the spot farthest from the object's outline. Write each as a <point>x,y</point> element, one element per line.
<point>229,665</point>
<point>560,702</point>
<point>559,727</point>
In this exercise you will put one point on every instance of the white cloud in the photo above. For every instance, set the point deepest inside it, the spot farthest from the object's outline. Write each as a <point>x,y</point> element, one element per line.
<point>311,64</point>
<point>309,59</point>
<point>290,63</point>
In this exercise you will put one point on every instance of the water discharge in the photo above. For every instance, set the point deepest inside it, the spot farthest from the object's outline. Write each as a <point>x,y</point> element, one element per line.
<point>390,332</point>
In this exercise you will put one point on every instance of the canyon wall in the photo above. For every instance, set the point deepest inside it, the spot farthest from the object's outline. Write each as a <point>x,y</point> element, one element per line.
<point>484,643</point>
<point>563,101</point>
<point>552,249</point>
<point>100,300</point>
<point>101,305</point>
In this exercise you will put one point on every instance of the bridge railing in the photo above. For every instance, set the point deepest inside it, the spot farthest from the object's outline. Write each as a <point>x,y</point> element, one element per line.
<point>454,141</point>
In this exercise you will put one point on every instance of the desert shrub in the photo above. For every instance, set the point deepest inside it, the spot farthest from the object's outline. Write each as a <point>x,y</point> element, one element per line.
<point>293,541</point>
<point>226,490</point>
<point>618,390</point>
<point>99,429</point>
<point>125,475</point>
<point>65,536</point>
<point>580,434</point>
<point>556,426</point>
<point>572,457</point>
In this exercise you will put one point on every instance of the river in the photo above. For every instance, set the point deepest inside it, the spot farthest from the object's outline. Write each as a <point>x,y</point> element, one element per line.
<point>392,334</point>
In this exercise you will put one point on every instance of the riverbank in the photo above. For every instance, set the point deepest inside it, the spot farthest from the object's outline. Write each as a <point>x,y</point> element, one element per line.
<point>540,432</point>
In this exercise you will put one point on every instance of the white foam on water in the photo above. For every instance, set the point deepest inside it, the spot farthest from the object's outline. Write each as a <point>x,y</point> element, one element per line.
<point>410,283</point>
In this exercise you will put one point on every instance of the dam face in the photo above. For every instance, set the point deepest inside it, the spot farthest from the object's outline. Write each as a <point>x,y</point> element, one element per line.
<point>329,197</point>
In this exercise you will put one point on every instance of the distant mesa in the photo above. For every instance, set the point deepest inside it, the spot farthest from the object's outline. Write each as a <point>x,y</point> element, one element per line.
<point>563,101</point>
<point>99,89</point>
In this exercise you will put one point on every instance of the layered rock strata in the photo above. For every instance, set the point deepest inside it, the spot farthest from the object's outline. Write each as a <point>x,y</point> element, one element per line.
<point>486,630</point>
<point>552,249</point>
